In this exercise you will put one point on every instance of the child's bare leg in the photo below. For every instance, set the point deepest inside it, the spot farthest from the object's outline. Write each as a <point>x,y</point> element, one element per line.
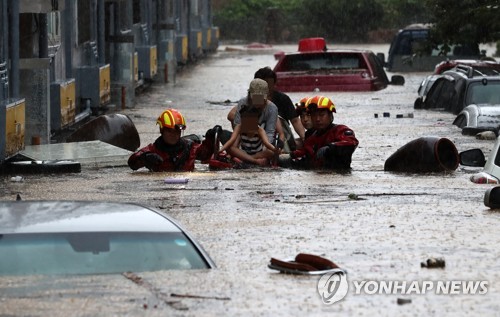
<point>264,157</point>
<point>265,153</point>
<point>244,156</point>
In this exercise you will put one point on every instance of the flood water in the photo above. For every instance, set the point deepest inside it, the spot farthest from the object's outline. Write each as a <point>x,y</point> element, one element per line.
<point>244,217</point>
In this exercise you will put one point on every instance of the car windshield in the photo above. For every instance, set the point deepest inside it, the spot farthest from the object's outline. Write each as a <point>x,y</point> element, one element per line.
<point>426,85</point>
<point>478,93</point>
<point>319,61</point>
<point>96,253</point>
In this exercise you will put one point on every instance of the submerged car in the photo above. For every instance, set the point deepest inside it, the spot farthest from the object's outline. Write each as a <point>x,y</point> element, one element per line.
<point>423,89</point>
<point>459,87</point>
<point>412,51</point>
<point>315,68</point>
<point>484,67</point>
<point>491,166</point>
<point>474,119</point>
<point>477,67</point>
<point>81,237</point>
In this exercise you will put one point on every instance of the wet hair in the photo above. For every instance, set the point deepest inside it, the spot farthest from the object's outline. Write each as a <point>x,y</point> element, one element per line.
<point>265,73</point>
<point>301,111</point>
<point>246,109</point>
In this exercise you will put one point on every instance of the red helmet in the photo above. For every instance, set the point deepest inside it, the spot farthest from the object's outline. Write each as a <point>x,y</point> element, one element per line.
<point>320,102</point>
<point>171,119</point>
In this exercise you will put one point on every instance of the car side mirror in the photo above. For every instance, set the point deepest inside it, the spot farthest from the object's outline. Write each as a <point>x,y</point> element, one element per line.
<point>397,80</point>
<point>472,157</point>
<point>381,58</point>
<point>492,197</point>
<point>279,55</point>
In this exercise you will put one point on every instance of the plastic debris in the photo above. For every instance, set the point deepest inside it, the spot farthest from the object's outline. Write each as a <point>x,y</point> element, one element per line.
<point>16,179</point>
<point>176,181</point>
<point>402,301</point>
<point>432,263</point>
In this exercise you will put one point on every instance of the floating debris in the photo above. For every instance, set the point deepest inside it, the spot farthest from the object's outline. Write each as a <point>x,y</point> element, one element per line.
<point>432,263</point>
<point>353,196</point>
<point>403,301</point>
<point>176,180</point>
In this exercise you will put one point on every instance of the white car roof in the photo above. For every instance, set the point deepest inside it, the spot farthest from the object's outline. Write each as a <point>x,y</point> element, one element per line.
<point>80,216</point>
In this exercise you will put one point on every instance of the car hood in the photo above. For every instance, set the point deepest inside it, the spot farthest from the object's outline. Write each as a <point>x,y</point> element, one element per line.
<point>488,110</point>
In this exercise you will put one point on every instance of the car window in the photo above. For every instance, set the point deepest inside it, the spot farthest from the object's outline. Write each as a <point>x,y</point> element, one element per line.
<point>440,93</point>
<point>409,42</point>
<point>303,62</point>
<point>428,85</point>
<point>378,68</point>
<point>488,70</point>
<point>497,158</point>
<point>477,93</point>
<point>460,121</point>
<point>96,253</point>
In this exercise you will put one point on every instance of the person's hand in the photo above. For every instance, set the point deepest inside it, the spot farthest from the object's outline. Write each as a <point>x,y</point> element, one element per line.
<point>152,160</point>
<point>295,156</point>
<point>322,152</point>
<point>280,144</point>
<point>222,149</point>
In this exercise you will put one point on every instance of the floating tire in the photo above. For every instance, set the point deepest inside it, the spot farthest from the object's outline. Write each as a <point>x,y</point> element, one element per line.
<point>41,167</point>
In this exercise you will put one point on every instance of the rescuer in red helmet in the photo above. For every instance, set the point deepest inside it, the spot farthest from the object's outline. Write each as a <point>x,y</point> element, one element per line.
<point>170,152</point>
<point>305,119</point>
<point>329,145</point>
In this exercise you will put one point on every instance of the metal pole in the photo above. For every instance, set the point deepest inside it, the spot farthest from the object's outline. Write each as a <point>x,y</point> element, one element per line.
<point>4,93</point>
<point>100,33</point>
<point>124,97</point>
<point>43,39</point>
<point>69,20</point>
<point>14,48</point>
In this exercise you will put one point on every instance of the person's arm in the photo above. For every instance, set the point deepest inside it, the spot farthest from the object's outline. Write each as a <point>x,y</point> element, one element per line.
<point>265,141</point>
<point>145,157</point>
<point>298,127</point>
<point>234,137</point>
<point>231,115</point>
<point>281,133</point>
<point>135,161</point>
<point>270,120</point>
<point>234,115</point>
<point>340,138</point>
<point>344,136</point>
<point>288,112</point>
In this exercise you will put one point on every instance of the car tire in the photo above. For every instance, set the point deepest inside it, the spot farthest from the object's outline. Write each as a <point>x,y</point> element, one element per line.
<point>418,104</point>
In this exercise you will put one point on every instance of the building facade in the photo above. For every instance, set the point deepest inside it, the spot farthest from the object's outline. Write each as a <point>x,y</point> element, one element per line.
<point>63,61</point>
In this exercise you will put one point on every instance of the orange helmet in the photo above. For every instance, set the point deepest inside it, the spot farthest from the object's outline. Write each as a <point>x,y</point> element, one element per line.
<point>171,119</point>
<point>320,102</point>
<point>300,106</point>
<point>301,103</point>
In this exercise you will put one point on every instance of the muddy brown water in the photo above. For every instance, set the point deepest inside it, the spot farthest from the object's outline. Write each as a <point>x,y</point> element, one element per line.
<point>245,217</point>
